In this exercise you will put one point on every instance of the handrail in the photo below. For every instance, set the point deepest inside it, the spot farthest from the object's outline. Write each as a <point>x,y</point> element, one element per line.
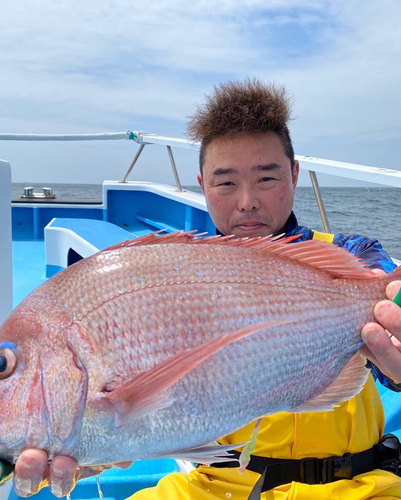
<point>113,136</point>
<point>383,176</point>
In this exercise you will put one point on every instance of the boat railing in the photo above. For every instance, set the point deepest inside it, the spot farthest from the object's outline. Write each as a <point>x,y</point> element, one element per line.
<point>382,176</point>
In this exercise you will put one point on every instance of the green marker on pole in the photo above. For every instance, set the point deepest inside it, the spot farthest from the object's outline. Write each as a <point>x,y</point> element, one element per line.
<point>397,298</point>
<point>6,471</point>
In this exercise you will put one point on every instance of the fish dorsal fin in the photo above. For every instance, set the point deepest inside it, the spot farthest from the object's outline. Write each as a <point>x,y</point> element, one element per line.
<point>348,384</point>
<point>336,261</point>
<point>155,238</point>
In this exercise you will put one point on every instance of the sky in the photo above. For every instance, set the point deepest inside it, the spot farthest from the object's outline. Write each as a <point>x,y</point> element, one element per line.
<point>111,65</point>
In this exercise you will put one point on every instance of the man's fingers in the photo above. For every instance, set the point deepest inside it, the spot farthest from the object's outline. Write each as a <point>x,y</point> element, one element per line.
<point>380,345</point>
<point>30,469</point>
<point>33,473</point>
<point>388,314</point>
<point>94,470</point>
<point>63,475</point>
<point>379,272</point>
<point>123,465</point>
<point>392,289</point>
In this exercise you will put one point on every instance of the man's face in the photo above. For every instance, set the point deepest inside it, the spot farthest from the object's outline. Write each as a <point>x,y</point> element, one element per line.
<point>248,184</point>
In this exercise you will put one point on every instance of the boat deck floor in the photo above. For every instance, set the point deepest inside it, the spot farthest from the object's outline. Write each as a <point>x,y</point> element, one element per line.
<point>28,267</point>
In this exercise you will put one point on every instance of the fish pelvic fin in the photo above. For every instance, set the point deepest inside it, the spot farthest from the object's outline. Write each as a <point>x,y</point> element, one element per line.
<point>349,383</point>
<point>246,453</point>
<point>147,392</point>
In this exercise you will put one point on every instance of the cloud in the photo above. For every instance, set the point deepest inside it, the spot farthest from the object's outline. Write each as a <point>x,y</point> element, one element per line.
<point>74,66</point>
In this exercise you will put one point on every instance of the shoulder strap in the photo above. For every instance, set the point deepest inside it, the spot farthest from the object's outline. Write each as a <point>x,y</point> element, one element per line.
<point>323,236</point>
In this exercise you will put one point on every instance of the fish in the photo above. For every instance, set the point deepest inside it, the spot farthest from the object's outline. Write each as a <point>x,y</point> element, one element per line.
<point>159,346</point>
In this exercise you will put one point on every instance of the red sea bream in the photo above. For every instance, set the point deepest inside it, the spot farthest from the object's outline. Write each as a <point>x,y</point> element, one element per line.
<point>160,346</point>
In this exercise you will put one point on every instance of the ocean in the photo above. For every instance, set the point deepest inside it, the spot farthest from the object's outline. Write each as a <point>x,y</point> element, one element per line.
<point>371,211</point>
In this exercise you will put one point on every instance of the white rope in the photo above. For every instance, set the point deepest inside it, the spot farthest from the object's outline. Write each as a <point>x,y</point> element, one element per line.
<point>69,137</point>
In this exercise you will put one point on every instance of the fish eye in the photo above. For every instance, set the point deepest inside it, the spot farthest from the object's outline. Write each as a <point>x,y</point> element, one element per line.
<point>8,363</point>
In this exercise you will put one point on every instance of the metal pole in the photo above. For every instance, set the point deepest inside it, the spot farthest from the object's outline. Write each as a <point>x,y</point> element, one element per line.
<point>177,179</point>
<point>6,289</point>
<point>133,163</point>
<point>319,201</point>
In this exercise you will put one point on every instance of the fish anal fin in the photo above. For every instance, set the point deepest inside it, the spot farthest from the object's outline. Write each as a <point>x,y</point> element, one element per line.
<point>147,392</point>
<point>348,383</point>
<point>205,454</point>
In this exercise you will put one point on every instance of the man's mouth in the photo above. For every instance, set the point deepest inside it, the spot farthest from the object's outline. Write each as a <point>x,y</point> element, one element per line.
<point>250,226</point>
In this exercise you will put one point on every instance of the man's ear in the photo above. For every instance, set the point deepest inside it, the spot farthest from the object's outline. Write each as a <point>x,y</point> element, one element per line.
<point>295,173</point>
<point>200,181</point>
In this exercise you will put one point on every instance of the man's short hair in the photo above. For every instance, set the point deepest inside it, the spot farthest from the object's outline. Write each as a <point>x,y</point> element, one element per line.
<point>236,108</point>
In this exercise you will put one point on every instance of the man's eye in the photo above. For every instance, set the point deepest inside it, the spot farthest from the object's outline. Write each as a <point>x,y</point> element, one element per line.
<point>266,179</point>
<point>227,183</point>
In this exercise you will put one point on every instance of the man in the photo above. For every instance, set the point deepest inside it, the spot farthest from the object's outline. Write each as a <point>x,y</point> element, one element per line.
<point>248,175</point>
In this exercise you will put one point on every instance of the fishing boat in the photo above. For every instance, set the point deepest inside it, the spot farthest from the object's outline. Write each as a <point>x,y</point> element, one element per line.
<point>42,233</point>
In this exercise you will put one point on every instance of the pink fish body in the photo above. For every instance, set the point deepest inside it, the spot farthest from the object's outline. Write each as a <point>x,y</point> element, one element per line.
<point>160,346</point>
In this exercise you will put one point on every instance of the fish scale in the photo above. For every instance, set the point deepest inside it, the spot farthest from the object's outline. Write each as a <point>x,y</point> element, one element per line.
<point>124,312</point>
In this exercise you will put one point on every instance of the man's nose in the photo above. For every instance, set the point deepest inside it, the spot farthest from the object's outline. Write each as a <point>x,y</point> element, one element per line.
<point>247,200</point>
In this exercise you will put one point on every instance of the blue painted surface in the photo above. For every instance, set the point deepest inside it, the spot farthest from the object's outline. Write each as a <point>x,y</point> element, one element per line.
<point>117,484</point>
<point>392,410</point>
<point>28,267</point>
<point>98,233</point>
<point>138,212</point>
<point>28,222</point>
<point>52,270</point>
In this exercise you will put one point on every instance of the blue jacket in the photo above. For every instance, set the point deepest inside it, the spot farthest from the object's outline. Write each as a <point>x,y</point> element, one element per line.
<point>367,249</point>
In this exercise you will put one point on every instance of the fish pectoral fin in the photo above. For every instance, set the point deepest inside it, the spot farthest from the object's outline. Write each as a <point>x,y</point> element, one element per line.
<point>349,382</point>
<point>147,392</point>
<point>205,454</point>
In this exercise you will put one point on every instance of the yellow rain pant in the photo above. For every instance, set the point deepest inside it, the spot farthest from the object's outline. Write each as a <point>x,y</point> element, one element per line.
<point>352,427</point>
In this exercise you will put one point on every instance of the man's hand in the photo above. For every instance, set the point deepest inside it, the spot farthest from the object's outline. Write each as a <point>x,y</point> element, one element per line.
<point>33,472</point>
<point>383,341</point>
